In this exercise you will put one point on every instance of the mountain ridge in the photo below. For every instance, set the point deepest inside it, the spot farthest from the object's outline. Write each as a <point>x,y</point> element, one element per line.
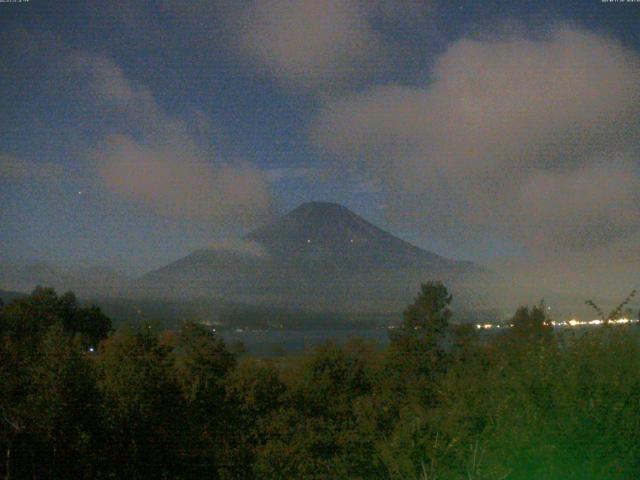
<point>319,255</point>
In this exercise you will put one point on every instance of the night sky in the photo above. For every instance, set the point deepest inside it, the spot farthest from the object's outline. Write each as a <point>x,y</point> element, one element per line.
<point>502,132</point>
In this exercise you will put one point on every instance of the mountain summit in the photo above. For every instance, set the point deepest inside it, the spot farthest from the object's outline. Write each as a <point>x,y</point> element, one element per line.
<point>330,232</point>
<point>318,256</point>
<point>326,223</point>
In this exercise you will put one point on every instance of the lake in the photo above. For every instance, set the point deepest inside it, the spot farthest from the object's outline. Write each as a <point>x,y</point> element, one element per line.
<point>275,342</point>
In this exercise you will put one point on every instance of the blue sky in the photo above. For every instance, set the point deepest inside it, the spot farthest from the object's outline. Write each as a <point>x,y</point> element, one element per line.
<point>135,133</point>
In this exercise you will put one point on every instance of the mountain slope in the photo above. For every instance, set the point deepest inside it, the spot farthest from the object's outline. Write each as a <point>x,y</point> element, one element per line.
<point>328,230</point>
<point>318,256</point>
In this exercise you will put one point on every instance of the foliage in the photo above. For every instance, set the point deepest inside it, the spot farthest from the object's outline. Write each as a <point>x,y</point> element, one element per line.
<point>440,402</point>
<point>417,350</point>
<point>202,365</point>
<point>531,324</point>
<point>28,318</point>
<point>144,409</point>
<point>429,315</point>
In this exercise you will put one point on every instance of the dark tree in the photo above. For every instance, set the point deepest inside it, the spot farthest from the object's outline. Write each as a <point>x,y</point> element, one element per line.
<point>428,316</point>
<point>531,323</point>
<point>202,366</point>
<point>144,409</point>
<point>417,355</point>
<point>30,317</point>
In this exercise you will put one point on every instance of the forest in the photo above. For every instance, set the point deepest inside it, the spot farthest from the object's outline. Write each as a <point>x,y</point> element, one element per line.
<point>80,400</point>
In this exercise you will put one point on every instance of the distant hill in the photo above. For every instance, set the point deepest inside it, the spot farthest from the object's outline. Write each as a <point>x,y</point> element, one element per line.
<point>8,296</point>
<point>320,256</point>
<point>25,276</point>
<point>86,281</point>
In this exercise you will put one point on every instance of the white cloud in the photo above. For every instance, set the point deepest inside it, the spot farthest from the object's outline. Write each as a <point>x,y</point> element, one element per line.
<point>164,167</point>
<point>127,102</point>
<point>511,136</point>
<point>319,45</point>
<point>582,208</point>
<point>108,83</point>
<point>135,148</point>
<point>310,42</point>
<point>173,181</point>
<point>607,271</point>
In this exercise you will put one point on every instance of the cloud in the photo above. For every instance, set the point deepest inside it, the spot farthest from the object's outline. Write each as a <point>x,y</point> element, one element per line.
<point>607,271</point>
<point>163,165</point>
<point>310,43</point>
<point>533,139</point>
<point>175,182</point>
<point>128,104</point>
<point>135,148</point>
<point>108,82</point>
<point>313,45</point>
<point>583,208</point>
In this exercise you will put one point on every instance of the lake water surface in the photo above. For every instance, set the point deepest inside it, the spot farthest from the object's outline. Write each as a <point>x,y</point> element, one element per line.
<point>274,342</point>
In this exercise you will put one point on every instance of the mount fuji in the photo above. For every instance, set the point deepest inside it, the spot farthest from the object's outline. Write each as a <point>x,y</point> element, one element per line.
<point>320,256</point>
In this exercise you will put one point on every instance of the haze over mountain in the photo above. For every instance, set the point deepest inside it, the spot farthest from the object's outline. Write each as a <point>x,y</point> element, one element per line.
<point>89,281</point>
<point>319,256</point>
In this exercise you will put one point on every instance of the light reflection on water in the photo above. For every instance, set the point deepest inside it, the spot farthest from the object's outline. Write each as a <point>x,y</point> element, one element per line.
<point>277,342</point>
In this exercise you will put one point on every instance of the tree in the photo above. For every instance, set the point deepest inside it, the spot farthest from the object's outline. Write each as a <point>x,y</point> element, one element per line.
<point>255,392</point>
<point>28,318</point>
<point>202,366</point>
<point>532,323</point>
<point>316,434</point>
<point>416,355</point>
<point>63,407</point>
<point>48,405</point>
<point>144,408</point>
<point>46,380</point>
<point>429,314</point>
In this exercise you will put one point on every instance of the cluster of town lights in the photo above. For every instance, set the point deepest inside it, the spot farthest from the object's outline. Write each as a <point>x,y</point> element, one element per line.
<point>569,323</point>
